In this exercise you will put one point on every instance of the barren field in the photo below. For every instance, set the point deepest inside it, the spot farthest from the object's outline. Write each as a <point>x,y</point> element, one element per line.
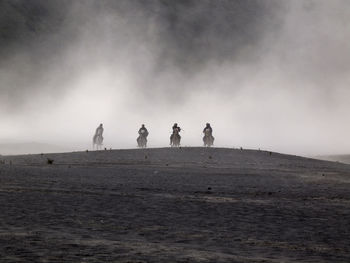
<point>173,205</point>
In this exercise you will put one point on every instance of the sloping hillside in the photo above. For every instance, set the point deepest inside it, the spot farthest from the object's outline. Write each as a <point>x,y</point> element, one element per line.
<point>173,205</point>
<point>195,157</point>
<point>343,158</point>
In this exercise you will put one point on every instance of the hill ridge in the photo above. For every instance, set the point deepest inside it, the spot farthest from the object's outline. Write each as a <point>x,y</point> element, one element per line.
<point>181,157</point>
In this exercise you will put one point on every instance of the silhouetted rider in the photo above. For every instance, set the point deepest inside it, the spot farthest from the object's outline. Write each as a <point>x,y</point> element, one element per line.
<point>99,131</point>
<point>98,138</point>
<point>143,131</point>
<point>208,138</point>
<point>208,127</point>
<point>174,128</point>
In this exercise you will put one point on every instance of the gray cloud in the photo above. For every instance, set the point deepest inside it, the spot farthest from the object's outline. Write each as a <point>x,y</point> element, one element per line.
<point>159,36</point>
<point>269,74</point>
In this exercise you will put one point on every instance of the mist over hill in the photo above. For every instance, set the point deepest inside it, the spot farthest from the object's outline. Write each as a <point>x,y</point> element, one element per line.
<point>267,74</point>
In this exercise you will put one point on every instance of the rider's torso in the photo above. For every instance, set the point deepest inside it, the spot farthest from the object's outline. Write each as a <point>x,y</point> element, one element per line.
<point>99,131</point>
<point>143,132</point>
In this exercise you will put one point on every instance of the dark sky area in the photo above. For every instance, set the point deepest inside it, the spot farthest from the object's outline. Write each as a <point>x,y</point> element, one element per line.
<point>267,74</point>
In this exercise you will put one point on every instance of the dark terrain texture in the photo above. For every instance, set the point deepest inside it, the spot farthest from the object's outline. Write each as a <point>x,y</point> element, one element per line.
<point>173,205</point>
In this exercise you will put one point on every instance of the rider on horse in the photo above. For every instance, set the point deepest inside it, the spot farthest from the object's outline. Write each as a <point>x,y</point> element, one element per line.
<point>143,131</point>
<point>175,127</point>
<point>208,138</point>
<point>142,139</point>
<point>99,131</point>
<point>98,138</point>
<point>209,128</point>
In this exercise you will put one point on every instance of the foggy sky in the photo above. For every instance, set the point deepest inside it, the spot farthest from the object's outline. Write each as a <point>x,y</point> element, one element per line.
<point>266,74</point>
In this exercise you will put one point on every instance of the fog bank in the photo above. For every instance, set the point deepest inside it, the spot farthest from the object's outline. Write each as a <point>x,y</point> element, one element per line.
<point>266,74</point>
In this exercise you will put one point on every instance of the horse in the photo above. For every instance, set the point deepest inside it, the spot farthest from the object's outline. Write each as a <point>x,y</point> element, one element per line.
<point>142,141</point>
<point>208,138</point>
<point>97,142</point>
<point>175,138</point>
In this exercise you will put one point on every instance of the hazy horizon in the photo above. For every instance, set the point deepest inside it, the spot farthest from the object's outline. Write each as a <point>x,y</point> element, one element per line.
<point>266,74</point>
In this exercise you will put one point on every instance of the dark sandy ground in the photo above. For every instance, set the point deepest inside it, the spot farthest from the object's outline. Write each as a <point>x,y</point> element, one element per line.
<point>173,205</point>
